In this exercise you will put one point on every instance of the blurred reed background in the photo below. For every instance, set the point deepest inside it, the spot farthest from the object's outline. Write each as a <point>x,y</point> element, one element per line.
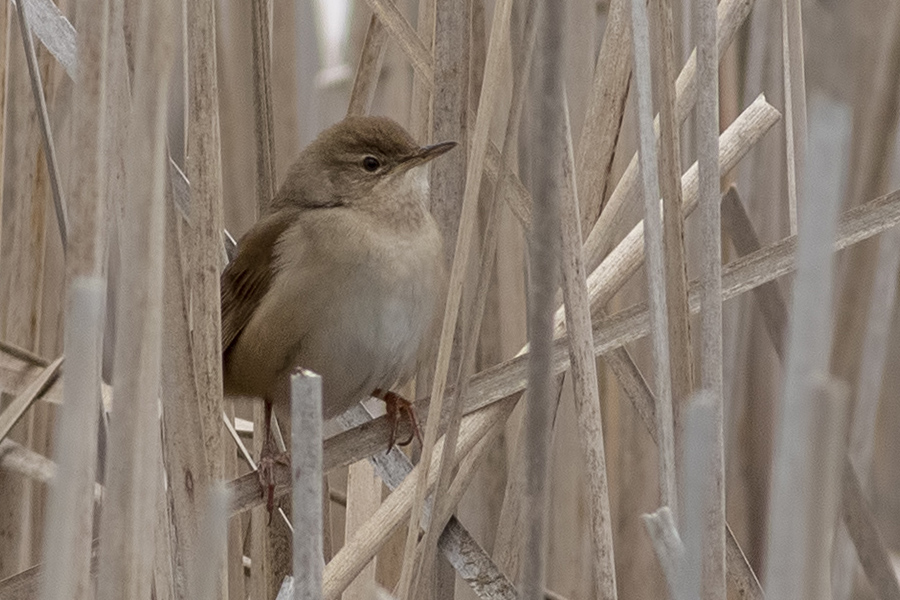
<point>792,438</point>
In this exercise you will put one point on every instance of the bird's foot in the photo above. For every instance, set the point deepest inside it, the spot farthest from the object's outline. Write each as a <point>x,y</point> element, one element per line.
<point>265,470</point>
<point>397,404</point>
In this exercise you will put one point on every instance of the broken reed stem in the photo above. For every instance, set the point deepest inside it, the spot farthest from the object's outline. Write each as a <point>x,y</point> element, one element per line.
<point>707,138</point>
<point>543,253</point>
<point>370,60</point>
<point>474,170</point>
<point>68,528</point>
<point>667,546</point>
<point>653,254</point>
<point>584,379</point>
<point>133,471</point>
<point>93,88</point>
<point>306,458</point>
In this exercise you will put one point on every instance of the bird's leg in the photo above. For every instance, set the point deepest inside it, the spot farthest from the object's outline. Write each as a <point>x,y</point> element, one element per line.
<point>269,457</point>
<point>397,404</point>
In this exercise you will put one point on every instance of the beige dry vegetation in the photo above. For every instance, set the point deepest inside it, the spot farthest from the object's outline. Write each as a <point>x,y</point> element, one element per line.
<point>663,432</point>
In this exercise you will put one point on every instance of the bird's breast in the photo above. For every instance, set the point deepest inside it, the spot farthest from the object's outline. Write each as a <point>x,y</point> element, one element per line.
<point>364,314</point>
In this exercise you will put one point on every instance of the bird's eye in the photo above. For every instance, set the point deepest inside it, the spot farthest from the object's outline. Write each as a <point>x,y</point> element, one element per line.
<point>371,164</point>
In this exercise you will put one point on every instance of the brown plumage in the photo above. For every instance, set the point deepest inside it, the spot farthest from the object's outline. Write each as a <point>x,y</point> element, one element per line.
<point>344,275</point>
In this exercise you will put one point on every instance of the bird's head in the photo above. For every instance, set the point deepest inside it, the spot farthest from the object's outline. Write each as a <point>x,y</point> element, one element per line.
<point>356,160</point>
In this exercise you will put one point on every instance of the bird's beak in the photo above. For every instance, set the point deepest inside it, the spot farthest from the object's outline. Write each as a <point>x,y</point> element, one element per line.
<point>427,153</point>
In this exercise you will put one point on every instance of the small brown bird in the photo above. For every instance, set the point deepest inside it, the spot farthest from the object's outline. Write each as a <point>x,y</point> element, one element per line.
<point>342,277</point>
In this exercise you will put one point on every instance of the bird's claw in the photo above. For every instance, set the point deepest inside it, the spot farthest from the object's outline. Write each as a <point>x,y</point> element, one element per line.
<point>265,470</point>
<point>396,405</point>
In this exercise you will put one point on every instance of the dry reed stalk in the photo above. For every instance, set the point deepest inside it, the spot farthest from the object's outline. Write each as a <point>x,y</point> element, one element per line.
<point>794,77</point>
<point>653,255</point>
<point>854,510</point>
<point>731,15</point>
<point>827,445</point>
<point>603,119</point>
<point>68,528</point>
<point>451,116</point>
<point>260,16</point>
<point>367,72</point>
<point>21,403</point>
<point>508,378</point>
<point>508,532</point>
<point>184,456</point>
<point>584,378</point>
<point>359,550</point>
<point>133,469</point>
<point>808,353</point>
<point>22,354</point>
<point>306,459</point>
<point>363,499</point>
<point>54,30</point>
<point>420,101</point>
<point>865,407</point>
<point>24,585</point>
<point>475,166</point>
<point>264,134</point>
<point>37,89</point>
<point>205,577</point>
<point>400,29</point>
<point>713,585</point>
<point>700,465</point>
<point>736,223</point>
<point>457,544</point>
<point>870,548</point>
<point>248,458</point>
<point>870,172</point>
<point>734,143</point>
<point>626,326</point>
<point>5,24</point>
<point>548,145</point>
<point>680,349</point>
<point>856,515</point>
<point>204,171</point>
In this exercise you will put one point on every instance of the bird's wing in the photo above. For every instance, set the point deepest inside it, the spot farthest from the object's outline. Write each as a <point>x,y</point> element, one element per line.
<point>247,278</point>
